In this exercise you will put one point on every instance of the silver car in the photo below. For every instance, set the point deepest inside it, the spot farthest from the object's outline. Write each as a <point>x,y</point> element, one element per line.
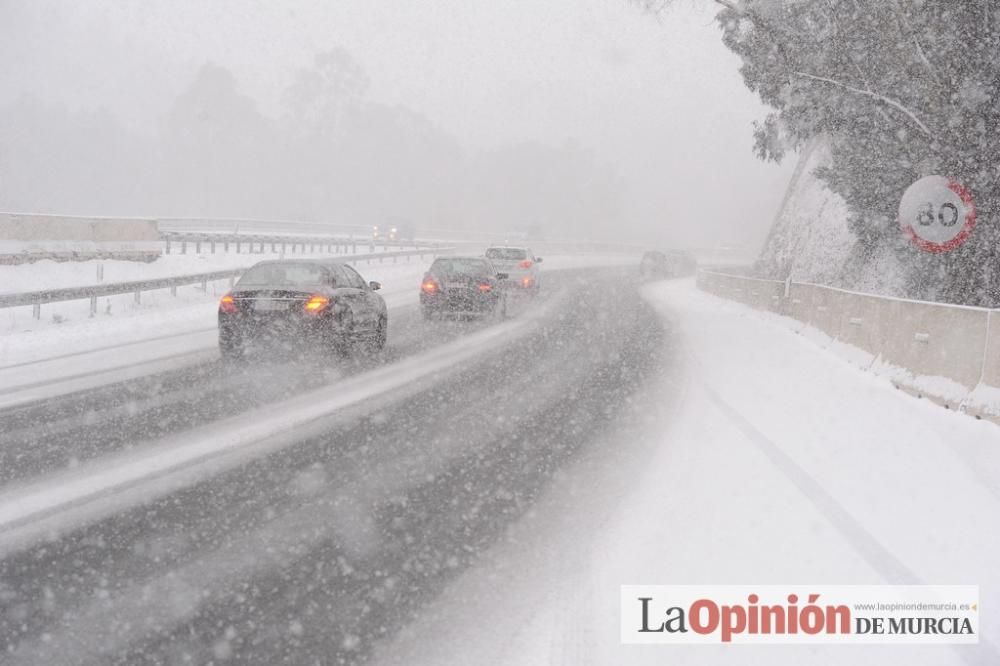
<point>520,264</point>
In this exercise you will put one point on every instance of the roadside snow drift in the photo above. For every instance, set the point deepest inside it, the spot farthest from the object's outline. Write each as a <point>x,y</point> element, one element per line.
<point>771,461</point>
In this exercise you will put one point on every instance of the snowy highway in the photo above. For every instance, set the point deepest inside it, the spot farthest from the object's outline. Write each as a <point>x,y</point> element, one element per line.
<point>497,333</point>
<point>332,532</point>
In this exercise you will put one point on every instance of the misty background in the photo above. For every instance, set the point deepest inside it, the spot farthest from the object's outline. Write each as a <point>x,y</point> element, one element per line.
<point>583,118</point>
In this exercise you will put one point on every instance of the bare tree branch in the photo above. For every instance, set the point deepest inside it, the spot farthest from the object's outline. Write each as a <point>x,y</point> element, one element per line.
<point>888,101</point>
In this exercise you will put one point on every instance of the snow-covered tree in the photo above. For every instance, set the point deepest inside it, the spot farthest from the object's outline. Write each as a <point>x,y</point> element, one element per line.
<point>899,89</point>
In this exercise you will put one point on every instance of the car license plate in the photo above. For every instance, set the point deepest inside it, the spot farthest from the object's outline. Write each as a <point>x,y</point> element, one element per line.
<point>265,305</point>
<point>455,285</point>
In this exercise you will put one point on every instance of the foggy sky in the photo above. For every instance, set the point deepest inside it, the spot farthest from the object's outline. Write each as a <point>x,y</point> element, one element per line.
<point>661,100</point>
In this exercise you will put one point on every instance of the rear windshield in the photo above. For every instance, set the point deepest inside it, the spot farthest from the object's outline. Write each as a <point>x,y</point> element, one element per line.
<point>283,275</point>
<point>507,253</point>
<point>460,266</point>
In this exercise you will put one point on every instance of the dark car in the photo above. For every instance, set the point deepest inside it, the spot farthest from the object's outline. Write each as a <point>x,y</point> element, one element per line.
<point>655,265</point>
<point>302,305</point>
<point>462,286</point>
<point>660,265</point>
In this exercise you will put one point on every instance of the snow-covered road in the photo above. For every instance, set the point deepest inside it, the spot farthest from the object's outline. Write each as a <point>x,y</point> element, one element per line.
<point>759,458</point>
<point>488,511</point>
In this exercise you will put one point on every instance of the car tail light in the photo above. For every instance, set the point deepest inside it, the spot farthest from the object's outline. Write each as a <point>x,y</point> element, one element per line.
<point>527,281</point>
<point>228,304</point>
<point>430,286</point>
<point>527,263</point>
<point>485,287</point>
<point>316,303</point>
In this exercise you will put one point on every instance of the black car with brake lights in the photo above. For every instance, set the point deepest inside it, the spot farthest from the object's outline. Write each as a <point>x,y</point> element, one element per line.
<point>304,306</point>
<point>463,286</point>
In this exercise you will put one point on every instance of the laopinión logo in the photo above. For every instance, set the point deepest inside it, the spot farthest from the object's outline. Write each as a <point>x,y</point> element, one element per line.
<point>674,614</point>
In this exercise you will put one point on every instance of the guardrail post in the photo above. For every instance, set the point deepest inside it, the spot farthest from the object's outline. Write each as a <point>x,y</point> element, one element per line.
<point>213,247</point>
<point>204,286</point>
<point>93,306</point>
<point>225,246</point>
<point>36,310</point>
<point>168,245</point>
<point>184,247</point>
<point>138,296</point>
<point>173,290</point>
<point>197,247</point>
<point>237,247</point>
<point>274,248</point>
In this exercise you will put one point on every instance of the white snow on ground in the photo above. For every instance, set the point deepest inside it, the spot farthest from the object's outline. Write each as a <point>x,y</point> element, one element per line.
<point>769,461</point>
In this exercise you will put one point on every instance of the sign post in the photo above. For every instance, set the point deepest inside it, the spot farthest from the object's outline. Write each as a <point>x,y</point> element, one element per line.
<point>937,214</point>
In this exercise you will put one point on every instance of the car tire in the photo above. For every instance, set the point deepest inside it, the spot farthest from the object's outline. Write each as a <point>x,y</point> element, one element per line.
<point>380,336</point>
<point>230,350</point>
<point>500,309</point>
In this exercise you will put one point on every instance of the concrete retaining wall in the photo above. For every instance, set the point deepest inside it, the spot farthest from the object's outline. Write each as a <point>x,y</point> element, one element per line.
<point>947,353</point>
<point>34,227</point>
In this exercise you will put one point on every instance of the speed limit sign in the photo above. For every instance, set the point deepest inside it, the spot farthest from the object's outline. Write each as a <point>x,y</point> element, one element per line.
<point>937,214</point>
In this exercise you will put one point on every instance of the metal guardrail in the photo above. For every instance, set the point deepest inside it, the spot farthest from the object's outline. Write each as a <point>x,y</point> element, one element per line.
<point>258,243</point>
<point>93,292</point>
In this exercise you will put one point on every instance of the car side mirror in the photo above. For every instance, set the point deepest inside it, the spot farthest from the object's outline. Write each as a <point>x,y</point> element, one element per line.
<point>502,276</point>
<point>375,285</point>
<point>538,260</point>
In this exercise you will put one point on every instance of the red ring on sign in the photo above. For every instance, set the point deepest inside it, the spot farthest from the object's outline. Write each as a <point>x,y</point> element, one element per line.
<point>963,235</point>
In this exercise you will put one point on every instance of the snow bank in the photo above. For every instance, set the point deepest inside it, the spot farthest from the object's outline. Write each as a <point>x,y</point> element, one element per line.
<point>811,242</point>
<point>809,239</point>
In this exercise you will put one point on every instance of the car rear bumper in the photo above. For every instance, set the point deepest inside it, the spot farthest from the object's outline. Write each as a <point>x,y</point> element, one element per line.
<point>292,332</point>
<point>459,303</point>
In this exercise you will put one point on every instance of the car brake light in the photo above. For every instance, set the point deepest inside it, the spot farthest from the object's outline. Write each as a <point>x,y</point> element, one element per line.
<point>228,304</point>
<point>430,286</point>
<point>485,286</point>
<point>316,303</point>
<point>527,263</point>
<point>527,281</point>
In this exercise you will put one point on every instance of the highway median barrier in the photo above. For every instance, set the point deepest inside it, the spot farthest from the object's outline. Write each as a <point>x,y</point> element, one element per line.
<point>949,354</point>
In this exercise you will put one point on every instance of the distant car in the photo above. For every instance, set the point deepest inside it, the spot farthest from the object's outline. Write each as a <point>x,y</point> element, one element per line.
<point>312,306</point>
<point>463,286</point>
<point>520,264</point>
<point>656,265</point>
<point>682,262</point>
<point>397,229</point>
